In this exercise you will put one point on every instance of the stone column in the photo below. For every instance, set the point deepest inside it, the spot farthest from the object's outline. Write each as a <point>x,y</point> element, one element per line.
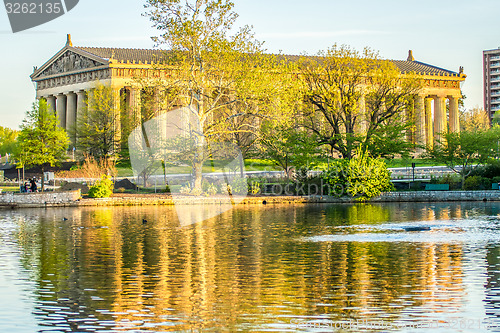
<point>420,121</point>
<point>429,129</point>
<point>362,116</point>
<point>440,123</point>
<point>135,107</point>
<point>51,103</point>
<point>80,107</point>
<point>409,117</point>
<point>158,93</point>
<point>61,110</point>
<point>117,128</point>
<point>71,100</point>
<point>454,117</point>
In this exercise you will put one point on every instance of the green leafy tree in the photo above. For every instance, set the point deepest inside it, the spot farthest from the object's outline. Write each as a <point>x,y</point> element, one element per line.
<point>338,80</point>
<point>464,152</point>
<point>97,126</point>
<point>220,72</point>
<point>475,119</point>
<point>8,143</point>
<point>41,141</point>
<point>287,146</point>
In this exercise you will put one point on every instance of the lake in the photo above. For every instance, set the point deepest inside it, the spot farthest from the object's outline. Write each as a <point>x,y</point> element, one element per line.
<point>287,268</point>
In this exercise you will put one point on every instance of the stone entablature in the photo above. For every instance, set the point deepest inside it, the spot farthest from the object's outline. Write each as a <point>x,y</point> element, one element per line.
<point>69,79</point>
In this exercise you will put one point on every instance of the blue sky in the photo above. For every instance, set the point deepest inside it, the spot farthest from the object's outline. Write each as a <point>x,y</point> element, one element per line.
<point>443,33</point>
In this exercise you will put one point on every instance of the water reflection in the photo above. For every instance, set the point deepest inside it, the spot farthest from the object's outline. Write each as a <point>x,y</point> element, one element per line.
<point>249,269</point>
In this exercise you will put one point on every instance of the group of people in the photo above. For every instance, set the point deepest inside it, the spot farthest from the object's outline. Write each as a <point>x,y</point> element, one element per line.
<point>30,186</point>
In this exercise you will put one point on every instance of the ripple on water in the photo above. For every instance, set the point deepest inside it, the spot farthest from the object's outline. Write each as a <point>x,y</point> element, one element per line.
<point>447,231</point>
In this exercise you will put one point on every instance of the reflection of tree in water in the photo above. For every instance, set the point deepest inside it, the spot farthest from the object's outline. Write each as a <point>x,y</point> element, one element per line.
<point>106,269</point>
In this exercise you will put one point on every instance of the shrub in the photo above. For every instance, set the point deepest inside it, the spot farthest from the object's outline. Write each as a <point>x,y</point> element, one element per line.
<point>476,183</point>
<point>362,177</point>
<point>186,189</point>
<point>239,186</point>
<point>102,188</point>
<point>489,170</point>
<point>451,179</point>
<point>211,189</point>
<point>367,177</point>
<point>255,185</point>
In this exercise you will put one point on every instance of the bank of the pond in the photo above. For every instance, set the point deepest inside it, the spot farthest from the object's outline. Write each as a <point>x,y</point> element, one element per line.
<point>74,199</point>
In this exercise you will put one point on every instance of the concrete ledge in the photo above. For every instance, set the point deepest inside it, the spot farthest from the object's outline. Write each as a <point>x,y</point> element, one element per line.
<point>46,199</point>
<point>438,196</point>
<point>73,199</point>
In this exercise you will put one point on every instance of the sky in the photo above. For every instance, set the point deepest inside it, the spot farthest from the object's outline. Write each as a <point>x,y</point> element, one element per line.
<point>443,33</point>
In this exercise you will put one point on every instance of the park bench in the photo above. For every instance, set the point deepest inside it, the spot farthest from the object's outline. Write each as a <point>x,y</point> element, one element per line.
<point>437,187</point>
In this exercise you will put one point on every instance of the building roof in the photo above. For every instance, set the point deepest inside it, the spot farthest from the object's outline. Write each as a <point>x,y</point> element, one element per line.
<point>148,56</point>
<point>418,67</point>
<point>124,55</point>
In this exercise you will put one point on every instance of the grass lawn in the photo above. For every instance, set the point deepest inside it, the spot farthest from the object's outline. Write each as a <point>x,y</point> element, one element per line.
<point>402,163</point>
<point>124,169</point>
<point>9,189</point>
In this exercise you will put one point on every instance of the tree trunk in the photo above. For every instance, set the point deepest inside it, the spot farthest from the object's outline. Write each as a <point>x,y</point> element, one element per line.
<point>198,166</point>
<point>43,180</point>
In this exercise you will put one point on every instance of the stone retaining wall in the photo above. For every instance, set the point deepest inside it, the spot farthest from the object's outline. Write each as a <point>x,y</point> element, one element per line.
<point>72,198</point>
<point>438,196</point>
<point>46,199</point>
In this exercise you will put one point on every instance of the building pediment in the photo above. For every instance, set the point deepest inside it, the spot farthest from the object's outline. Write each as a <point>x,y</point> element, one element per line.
<point>68,61</point>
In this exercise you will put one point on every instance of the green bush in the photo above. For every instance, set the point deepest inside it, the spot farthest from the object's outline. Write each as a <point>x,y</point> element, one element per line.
<point>239,186</point>
<point>489,170</point>
<point>477,183</point>
<point>451,179</point>
<point>211,189</point>
<point>103,188</point>
<point>362,177</point>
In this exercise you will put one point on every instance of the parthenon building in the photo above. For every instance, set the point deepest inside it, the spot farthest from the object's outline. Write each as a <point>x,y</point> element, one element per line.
<point>66,78</point>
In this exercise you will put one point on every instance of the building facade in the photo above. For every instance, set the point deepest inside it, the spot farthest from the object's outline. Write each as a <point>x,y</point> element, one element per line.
<point>491,78</point>
<point>66,79</point>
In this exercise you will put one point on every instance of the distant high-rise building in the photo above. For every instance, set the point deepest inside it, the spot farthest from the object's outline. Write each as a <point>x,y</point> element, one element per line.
<point>491,70</point>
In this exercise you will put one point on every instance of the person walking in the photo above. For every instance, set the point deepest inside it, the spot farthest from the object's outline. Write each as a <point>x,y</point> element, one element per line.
<point>33,186</point>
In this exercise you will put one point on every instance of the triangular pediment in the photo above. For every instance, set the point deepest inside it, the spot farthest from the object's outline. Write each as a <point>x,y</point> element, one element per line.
<point>68,61</point>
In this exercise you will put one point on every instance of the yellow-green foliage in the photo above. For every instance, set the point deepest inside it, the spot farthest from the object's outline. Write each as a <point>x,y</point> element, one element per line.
<point>103,188</point>
<point>367,177</point>
<point>362,177</point>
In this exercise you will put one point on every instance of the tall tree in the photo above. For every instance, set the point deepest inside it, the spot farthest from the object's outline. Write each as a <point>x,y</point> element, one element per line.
<point>41,141</point>
<point>288,146</point>
<point>8,140</point>
<point>218,74</point>
<point>465,151</point>
<point>96,128</point>
<point>355,99</point>
<point>475,119</point>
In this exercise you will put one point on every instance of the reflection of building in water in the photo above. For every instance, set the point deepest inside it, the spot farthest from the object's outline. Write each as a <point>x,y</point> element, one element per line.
<point>492,298</point>
<point>235,270</point>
